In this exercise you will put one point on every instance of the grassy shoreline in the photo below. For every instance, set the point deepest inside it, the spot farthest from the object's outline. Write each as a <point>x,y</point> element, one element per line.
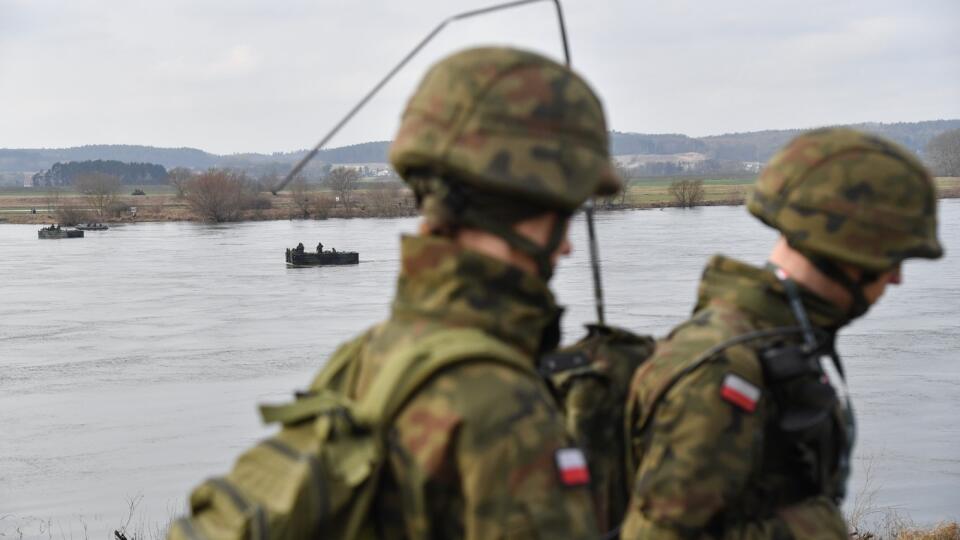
<point>162,204</point>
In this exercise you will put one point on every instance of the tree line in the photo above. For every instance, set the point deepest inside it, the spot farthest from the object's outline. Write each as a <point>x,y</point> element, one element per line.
<point>67,174</point>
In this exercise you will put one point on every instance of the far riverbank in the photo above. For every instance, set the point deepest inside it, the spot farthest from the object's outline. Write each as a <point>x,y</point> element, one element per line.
<point>162,204</point>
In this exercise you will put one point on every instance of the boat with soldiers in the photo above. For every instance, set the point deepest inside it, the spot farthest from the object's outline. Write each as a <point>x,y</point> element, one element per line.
<point>92,227</point>
<point>298,256</point>
<point>54,232</point>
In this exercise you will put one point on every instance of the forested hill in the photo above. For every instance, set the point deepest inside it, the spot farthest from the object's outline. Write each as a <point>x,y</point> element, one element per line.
<point>761,145</point>
<point>751,146</point>
<point>33,160</point>
<point>741,146</point>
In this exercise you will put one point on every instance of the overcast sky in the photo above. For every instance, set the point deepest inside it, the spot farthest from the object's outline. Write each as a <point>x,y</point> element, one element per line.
<point>265,75</point>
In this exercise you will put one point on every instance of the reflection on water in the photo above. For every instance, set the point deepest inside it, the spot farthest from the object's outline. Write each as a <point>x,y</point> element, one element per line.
<point>132,359</point>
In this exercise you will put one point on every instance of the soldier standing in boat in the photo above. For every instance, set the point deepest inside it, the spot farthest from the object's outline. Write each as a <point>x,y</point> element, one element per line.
<point>319,248</point>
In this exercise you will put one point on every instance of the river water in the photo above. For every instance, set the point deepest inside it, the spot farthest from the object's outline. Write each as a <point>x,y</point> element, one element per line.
<point>131,360</point>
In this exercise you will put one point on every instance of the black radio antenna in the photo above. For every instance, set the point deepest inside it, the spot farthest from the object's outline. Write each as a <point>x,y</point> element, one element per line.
<point>443,24</point>
<point>588,208</point>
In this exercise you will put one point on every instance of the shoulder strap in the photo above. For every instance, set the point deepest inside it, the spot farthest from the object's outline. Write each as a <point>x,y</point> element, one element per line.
<point>409,368</point>
<point>340,359</point>
<point>700,360</point>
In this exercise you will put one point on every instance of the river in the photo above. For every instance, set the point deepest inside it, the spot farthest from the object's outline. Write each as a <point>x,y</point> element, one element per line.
<point>131,360</point>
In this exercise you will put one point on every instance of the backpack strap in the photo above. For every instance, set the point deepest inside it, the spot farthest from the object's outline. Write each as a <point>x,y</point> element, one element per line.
<point>672,378</point>
<point>410,368</point>
<point>403,374</point>
<point>324,395</point>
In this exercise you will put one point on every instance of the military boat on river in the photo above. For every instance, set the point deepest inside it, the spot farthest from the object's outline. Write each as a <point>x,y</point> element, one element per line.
<point>55,232</point>
<point>92,227</point>
<point>299,257</point>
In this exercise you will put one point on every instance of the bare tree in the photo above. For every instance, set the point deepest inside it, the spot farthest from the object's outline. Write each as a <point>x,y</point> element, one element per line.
<point>178,178</point>
<point>320,206</point>
<point>342,181</point>
<point>217,195</point>
<point>687,193</point>
<point>943,153</point>
<point>52,198</point>
<point>99,189</point>
<point>302,199</point>
<point>69,213</point>
<point>385,201</point>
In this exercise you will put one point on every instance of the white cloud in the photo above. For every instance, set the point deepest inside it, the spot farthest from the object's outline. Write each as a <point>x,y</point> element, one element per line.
<point>257,75</point>
<point>236,62</point>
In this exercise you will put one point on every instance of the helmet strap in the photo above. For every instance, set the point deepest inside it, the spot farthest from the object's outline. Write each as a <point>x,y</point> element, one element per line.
<point>859,304</point>
<point>461,210</point>
<point>541,255</point>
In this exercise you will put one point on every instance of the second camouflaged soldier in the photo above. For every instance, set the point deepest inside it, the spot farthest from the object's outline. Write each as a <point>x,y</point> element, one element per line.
<point>735,429</point>
<point>500,147</point>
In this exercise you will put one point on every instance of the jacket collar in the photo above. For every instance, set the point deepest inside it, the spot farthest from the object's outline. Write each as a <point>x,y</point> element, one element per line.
<point>442,281</point>
<point>758,292</point>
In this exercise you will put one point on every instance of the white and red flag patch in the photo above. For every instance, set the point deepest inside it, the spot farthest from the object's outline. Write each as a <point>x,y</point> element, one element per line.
<point>572,466</point>
<point>741,393</point>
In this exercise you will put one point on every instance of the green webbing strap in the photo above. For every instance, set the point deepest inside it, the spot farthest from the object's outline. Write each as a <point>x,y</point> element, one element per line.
<point>341,357</point>
<point>403,374</point>
<point>409,368</point>
<point>301,409</point>
<point>321,399</point>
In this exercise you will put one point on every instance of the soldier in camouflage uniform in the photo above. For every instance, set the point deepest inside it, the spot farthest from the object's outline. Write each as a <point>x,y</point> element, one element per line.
<point>500,147</point>
<point>735,430</point>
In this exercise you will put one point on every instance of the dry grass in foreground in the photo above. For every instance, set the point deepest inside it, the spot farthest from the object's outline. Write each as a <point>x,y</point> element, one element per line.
<point>899,531</point>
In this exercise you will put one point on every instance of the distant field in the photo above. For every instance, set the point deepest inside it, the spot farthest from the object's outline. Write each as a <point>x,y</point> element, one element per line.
<point>655,191</point>
<point>160,202</point>
<point>41,193</point>
<point>707,181</point>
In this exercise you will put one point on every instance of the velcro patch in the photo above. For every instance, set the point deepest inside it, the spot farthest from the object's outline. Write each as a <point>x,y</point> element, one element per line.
<point>572,466</point>
<point>741,393</point>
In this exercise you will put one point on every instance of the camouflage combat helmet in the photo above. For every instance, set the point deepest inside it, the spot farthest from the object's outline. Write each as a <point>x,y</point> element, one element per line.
<point>495,128</point>
<point>511,122</point>
<point>841,196</point>
<point>849,197</point>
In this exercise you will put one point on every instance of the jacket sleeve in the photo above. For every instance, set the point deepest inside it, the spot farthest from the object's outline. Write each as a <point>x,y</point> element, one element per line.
<point>489,463</point>
<point>699,452</point>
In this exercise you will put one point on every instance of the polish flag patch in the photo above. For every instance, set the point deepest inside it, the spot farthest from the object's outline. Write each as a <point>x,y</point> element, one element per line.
<point>572,466</point>
<point>741,393</point>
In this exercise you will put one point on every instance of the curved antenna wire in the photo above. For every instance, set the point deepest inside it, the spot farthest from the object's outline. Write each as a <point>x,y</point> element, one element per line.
<point>356,108</point>
<point>588,208</point>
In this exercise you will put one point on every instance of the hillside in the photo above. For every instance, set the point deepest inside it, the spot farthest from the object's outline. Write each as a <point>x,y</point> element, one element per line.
<point>760,145</point>
<point>747,147</point>
<point>36,159</point>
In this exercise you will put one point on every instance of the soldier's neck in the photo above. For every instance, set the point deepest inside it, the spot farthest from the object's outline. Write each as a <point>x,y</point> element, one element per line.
<point>536,229</point>
<point>802,271</point>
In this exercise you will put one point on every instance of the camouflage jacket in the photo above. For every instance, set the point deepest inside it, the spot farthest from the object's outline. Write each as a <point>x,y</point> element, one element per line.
<point>472,454</point>
<point>701,435</point>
